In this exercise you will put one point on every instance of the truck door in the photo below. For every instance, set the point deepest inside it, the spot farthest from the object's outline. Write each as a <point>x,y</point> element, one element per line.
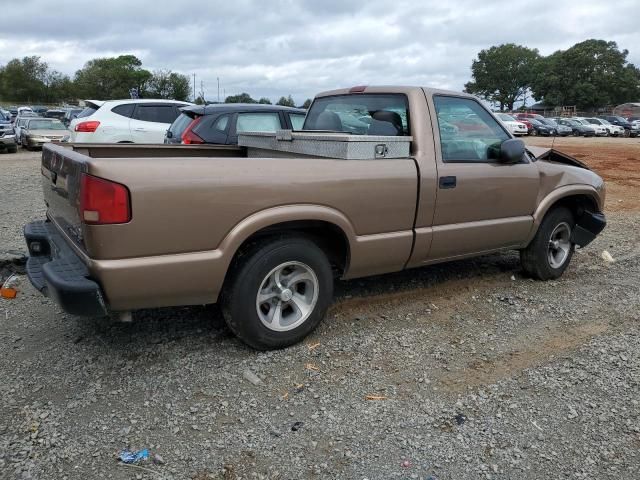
<point>482,205</point>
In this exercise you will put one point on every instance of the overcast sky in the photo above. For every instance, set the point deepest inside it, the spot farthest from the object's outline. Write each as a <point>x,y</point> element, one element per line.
<point>280,47</point>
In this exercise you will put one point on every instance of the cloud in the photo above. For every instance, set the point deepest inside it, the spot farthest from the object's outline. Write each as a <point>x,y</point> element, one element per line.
<point>301,47</point>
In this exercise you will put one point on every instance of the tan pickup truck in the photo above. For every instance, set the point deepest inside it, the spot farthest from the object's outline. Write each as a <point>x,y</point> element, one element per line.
<point>381,179</point>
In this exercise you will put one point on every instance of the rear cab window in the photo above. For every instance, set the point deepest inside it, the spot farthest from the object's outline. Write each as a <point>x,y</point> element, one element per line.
<point>468,132</point>
<point>360,114</point>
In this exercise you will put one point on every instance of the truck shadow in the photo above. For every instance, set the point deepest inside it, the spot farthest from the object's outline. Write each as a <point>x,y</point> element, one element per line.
<point>203,326</point>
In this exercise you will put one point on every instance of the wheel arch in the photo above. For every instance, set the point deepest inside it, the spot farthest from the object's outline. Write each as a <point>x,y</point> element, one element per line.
<point>327,227</point>
<point>576,198</point>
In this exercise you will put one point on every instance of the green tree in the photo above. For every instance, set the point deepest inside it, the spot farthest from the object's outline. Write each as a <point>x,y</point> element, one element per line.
<point>503,74</point>
<point>593,73</point>
<point>307,103</point>
<point>167,84</point>
<point>242,98</point>
<point>58,87</point>
<point>264,101</point>
<point>111,78</point>
<point>24,79</point>
<point>286,102</point>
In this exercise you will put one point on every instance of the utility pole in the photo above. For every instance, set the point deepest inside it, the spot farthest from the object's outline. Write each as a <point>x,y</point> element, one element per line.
<point>218,79</point>
<point>194,87</point>
<point>202,91</point>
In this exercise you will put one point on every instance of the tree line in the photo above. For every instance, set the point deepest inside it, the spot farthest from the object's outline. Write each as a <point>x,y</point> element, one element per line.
<point>31,80</point>
<point>590,74</point>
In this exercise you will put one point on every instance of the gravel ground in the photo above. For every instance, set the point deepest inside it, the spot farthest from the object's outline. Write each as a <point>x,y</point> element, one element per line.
<point>460,371</point>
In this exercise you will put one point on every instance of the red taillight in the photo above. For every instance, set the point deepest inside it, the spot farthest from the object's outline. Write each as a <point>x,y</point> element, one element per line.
<point>189,137</point>
<point>358,89</point>
<point>103,202</point>
<point>89,126</point>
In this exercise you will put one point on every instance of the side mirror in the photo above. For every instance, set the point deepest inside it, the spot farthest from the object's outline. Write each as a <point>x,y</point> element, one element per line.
<point>169,134</point>
<point>511,151</point>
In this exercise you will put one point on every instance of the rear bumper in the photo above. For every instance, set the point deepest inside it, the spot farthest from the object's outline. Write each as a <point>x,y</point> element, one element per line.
<point>57,272</point>
<point>587,228</point>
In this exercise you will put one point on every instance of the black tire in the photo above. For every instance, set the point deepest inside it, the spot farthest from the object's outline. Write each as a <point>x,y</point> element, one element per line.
<point>536,258</point>
<point>247,274</point>
<point>534,133</point>
<point>13,149</point>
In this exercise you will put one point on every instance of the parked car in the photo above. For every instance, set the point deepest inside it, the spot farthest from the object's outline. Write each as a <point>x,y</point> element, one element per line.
<point>124,121</point>
<point>600,130</point>
<point>5,115</point>
<point>221,123</point>
<point>38,131</point>
<point>541,129</point>
<point>54,113</point>
<point>23,110</point>
<point>266,229</point>
<point>613,130</point>
<point>629,129</point>
<point>526,116</point>
<point>39,109</point>
<point>20,122</point>
<point>7,136</point>
<point>578,129</point>
<point>70,114</point>
<point>514,126</point>
<point>561,130</point>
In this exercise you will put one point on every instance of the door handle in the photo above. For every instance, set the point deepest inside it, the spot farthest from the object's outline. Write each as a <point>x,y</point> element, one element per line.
<point>140,129</point>
<point>448,182</point>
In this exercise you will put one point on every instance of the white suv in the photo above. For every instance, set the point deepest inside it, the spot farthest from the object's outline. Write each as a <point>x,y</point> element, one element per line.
<point>124,121</point>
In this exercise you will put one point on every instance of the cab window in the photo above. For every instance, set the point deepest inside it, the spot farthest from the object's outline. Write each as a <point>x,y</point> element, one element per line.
<point>468,133</point>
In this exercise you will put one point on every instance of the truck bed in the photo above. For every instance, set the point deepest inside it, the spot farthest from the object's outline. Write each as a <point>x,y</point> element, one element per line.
<point>192,201</point>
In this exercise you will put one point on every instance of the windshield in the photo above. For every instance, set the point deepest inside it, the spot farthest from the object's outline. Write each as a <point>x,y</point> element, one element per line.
<point>360,114</point>
<point>506,118</point>
<point>548,121</point>
<point>605,122</point>
<point>45,125</point>
<point>535,121</point>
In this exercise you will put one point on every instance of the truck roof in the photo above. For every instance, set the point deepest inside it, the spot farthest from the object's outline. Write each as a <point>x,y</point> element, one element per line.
<point>389,89</point>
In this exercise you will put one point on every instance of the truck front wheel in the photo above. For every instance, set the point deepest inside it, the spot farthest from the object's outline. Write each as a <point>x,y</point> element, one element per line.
<point>549,253</point>
<point>278,292</point>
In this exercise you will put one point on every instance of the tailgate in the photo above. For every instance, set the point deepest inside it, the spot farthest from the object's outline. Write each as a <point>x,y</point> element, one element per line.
<point>61,170</point>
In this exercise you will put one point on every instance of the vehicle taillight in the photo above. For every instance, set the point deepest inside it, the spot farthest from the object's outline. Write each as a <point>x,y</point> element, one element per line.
<point>189,137</point>
<point>89,126</point>
<point>103,202</point>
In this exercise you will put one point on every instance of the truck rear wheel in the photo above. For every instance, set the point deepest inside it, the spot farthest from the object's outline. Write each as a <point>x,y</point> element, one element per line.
<point>549,253</point>
<point>278,292</point>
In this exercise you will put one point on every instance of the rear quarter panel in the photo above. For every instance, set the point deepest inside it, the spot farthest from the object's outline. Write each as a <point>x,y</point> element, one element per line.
<point>182,205</point>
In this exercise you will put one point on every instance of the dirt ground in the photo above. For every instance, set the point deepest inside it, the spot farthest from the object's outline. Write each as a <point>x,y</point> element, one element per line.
<point>460,371</point>
<point>617,160</point>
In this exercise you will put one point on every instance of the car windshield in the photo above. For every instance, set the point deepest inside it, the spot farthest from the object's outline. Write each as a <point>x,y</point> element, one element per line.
<point>605,122</point>
<point>506,118</point>
<point>620,119</point>
<point>550,121</point>
<point>362,114</point>
<point>535,121</point>
<point>45,125</point>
